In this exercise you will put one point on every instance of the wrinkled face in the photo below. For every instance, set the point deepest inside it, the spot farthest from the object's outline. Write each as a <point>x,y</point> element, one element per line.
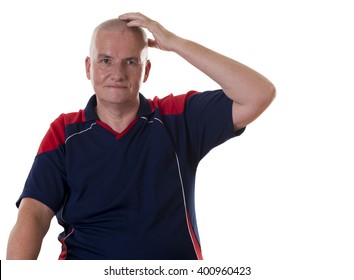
<point>118,66</point>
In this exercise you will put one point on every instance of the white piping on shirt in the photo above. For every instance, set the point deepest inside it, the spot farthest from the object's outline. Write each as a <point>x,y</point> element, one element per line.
<point>185,205</point>
<point>183,195</point>
<point>152,121</point>
<point>77,133</point>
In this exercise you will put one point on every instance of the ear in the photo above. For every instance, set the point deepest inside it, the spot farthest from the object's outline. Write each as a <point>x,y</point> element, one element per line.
<point>87,67</point>
<point>147,70</point>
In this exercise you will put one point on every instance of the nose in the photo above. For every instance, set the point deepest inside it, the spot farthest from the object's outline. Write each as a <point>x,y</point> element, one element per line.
<point>118,72</point>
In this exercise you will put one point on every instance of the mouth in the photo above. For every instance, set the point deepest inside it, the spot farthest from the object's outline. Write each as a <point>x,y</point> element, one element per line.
<point>116,86</point>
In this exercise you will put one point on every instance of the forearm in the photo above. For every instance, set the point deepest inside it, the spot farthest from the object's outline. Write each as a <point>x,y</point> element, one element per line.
<point>25,240</point>
<point>239,82</point>
<point>32,225</point>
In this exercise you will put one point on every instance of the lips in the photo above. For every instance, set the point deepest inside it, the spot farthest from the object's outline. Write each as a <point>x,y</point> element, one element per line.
<point>116,86</point>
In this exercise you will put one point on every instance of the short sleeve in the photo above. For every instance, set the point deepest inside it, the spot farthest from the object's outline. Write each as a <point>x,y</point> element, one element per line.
<point>46,181</point>
<point>209,121</point>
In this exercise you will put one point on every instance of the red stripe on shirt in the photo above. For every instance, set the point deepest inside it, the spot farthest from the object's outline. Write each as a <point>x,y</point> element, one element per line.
<point>56,134</point>
<point>172,105</point>
<point>195,241</point>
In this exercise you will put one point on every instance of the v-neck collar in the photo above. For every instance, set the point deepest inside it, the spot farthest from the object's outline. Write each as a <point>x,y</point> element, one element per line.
<point>90,113</point>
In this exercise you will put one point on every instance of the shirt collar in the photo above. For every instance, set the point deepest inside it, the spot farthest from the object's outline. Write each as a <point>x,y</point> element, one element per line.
<point>90,113</point>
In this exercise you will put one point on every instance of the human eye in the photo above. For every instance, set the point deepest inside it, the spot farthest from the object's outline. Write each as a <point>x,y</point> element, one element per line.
<point>106,61</point>
<point>131,61</point>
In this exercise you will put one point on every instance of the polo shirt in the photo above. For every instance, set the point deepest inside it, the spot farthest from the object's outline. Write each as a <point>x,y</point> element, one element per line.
<point>130,195</point>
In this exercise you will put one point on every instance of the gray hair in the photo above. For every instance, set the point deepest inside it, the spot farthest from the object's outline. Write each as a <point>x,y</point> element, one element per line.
<point>117,24</point>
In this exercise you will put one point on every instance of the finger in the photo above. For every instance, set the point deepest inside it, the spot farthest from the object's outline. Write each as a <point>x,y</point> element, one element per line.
<point>126,16</point>
<point>135,19</point>
<point>132,16</point>
<point>137,22</point>
<point>152,43</point>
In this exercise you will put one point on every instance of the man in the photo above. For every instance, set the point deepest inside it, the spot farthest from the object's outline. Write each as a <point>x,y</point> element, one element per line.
<point>120,174</point>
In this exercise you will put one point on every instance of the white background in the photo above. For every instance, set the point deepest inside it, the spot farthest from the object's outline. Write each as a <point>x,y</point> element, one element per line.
<point>280,197</point>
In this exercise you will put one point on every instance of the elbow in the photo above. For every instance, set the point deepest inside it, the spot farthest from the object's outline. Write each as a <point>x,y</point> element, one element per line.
<point>273,93</point>
<point>265,98</point>
<point>269,95</point>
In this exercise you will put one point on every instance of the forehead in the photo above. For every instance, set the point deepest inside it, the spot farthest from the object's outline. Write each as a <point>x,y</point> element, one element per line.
<point>122,40</point>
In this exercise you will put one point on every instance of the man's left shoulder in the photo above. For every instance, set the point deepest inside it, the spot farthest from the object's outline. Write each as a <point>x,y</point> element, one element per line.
<point>173,104</point>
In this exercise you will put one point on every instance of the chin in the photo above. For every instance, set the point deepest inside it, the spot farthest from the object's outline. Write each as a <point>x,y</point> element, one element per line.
<point>115,97</point>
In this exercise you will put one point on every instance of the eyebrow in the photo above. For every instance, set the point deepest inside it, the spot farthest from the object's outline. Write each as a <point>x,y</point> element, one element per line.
<point>102,55</point>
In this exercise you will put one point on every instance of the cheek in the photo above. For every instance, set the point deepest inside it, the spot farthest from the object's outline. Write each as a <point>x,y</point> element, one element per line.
<point>137,76</point>
<point>98,76</point>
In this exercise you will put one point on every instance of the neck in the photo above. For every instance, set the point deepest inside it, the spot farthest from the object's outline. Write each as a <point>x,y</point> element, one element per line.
<point>117,117</point>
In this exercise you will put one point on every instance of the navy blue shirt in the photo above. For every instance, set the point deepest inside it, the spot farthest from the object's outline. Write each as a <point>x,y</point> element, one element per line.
<point>130,195</point>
